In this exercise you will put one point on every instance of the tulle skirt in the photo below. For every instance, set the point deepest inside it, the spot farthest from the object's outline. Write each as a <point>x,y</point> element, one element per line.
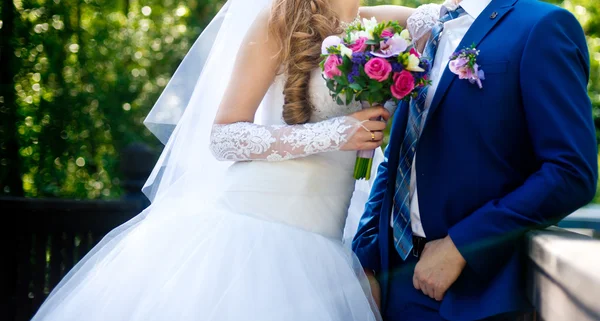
<point>219,266</point>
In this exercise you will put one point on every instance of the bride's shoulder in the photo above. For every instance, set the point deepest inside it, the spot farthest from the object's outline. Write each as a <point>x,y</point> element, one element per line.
<point>260,26</point>
<point>260,34</point>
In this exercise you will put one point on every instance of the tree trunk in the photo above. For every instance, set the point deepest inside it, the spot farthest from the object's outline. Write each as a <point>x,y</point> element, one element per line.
<point>10,170</point>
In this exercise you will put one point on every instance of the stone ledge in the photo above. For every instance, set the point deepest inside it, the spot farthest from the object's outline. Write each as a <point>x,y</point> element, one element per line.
<point>564,275</point>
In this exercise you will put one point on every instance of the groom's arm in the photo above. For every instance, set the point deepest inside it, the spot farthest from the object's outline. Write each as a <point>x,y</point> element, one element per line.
<point>366,241</point>
<point>554,77</point>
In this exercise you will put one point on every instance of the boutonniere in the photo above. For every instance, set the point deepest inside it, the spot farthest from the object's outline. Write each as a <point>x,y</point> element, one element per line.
<point>464,64</point>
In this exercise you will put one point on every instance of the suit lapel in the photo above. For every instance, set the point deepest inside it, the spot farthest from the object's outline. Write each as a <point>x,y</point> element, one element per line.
<point>486,21</point>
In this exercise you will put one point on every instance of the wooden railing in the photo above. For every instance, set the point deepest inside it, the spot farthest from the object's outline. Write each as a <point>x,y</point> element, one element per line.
<point>45,240</point>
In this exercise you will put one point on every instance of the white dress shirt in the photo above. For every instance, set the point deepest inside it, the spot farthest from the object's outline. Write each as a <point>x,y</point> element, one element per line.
<point>452,34</point>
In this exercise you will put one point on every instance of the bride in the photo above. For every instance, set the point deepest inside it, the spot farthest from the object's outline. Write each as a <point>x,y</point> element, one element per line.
<point>253,231</point>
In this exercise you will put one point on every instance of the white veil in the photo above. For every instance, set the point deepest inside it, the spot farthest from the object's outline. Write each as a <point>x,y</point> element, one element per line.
<point>183,115</point>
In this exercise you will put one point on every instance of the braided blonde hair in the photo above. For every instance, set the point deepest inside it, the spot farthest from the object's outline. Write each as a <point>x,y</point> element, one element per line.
<point>299,27</point>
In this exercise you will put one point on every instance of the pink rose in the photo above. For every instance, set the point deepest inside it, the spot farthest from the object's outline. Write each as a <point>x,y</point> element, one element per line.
<point>330,69</point>
<point>459,66</point>
<point>360,45</point>
<point>414,52</point>
<point>387,33</point>
<point>378,69</point>
<point>404,83</point>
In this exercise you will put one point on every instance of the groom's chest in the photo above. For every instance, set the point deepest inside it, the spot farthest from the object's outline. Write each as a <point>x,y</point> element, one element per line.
<point>464,103</point>
<point>450,38</point>
<point>466,114</point>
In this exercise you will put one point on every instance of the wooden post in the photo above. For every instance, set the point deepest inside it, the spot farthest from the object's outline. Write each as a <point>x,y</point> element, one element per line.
<point>8,274</point>
<point>137,162</point>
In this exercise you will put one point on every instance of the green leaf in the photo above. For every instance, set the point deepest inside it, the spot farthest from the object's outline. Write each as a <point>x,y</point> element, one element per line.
<point>356,86</point>
<point>349,97</point>
<point>375,85</point>
<point>330,85</point>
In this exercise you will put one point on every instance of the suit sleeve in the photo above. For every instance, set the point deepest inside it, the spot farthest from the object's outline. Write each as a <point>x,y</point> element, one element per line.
<point>366,241</point>
<point>554,76</point>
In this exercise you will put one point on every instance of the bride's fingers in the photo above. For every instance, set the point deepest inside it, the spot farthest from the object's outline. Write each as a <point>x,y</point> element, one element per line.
<point>370,145</point>
<point>372,113</point>
<point>374,125</point>
<point>377,136</point>
<point>369,136</point>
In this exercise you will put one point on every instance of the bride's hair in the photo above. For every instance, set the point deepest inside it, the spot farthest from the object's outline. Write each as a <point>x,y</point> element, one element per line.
<point>299,27</point>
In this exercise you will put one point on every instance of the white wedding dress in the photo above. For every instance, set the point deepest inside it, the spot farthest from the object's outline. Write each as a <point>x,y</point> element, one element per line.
<point>268,249</point>
<point>259,239</point>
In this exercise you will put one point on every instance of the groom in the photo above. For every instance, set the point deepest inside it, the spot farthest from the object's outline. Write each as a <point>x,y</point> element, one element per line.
<point>469,170</point>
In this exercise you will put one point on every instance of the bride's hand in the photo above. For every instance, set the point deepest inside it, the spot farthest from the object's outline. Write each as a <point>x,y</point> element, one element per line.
<point>370,132</point>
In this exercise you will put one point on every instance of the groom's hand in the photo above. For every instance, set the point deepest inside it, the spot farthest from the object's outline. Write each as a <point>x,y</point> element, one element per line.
<point>440,265</point>
<point>375,288</point>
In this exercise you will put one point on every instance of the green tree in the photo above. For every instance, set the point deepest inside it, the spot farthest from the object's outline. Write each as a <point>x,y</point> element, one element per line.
<point>10,170</point>
<point>80,78</point>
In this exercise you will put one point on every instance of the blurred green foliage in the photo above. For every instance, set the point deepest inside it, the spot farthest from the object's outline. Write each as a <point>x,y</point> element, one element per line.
<point>83,75</point>
<point>77,78</point>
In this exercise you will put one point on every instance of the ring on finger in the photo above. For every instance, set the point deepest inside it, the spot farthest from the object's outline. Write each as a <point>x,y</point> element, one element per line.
<point>372,136</point>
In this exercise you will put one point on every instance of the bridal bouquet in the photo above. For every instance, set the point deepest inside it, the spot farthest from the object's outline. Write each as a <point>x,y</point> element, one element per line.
<point>374,63</point>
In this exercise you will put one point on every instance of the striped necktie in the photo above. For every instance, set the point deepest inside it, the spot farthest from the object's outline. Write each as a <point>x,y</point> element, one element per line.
<point>401,208</point>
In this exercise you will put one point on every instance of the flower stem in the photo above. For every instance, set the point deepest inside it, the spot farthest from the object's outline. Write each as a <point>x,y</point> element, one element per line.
<point>362,168</point>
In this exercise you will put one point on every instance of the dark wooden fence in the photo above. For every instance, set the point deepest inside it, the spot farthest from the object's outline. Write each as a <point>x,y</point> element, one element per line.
<point>46,238</point>
<point>41,239</point>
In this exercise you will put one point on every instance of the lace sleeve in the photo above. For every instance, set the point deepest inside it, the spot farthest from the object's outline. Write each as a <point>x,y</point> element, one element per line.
<point>423,20</point>
<point>248,141</point>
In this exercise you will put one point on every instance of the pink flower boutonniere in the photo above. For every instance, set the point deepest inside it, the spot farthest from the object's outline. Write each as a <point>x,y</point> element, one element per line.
<point>464,64</point>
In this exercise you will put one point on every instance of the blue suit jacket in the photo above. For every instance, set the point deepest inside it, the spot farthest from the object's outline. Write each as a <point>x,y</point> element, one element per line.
<point>491,163</point>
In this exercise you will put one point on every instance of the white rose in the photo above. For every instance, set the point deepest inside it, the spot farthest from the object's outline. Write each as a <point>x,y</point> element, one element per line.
<point>370,27</point>
<point>355,35</point>
<point>345,51</point>
<point>413,64</point>
<point>405,34</point>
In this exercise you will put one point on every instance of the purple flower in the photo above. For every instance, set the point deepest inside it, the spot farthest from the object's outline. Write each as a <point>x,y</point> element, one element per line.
<point>464,64</point>
<point>391,47</point>
<point>359,58</point>
<point>426,65</point>
<point>477,76</point>
<point>331,41</point>
<point>397,67</point>
<point>354,73</point>
<point>457,64</point>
